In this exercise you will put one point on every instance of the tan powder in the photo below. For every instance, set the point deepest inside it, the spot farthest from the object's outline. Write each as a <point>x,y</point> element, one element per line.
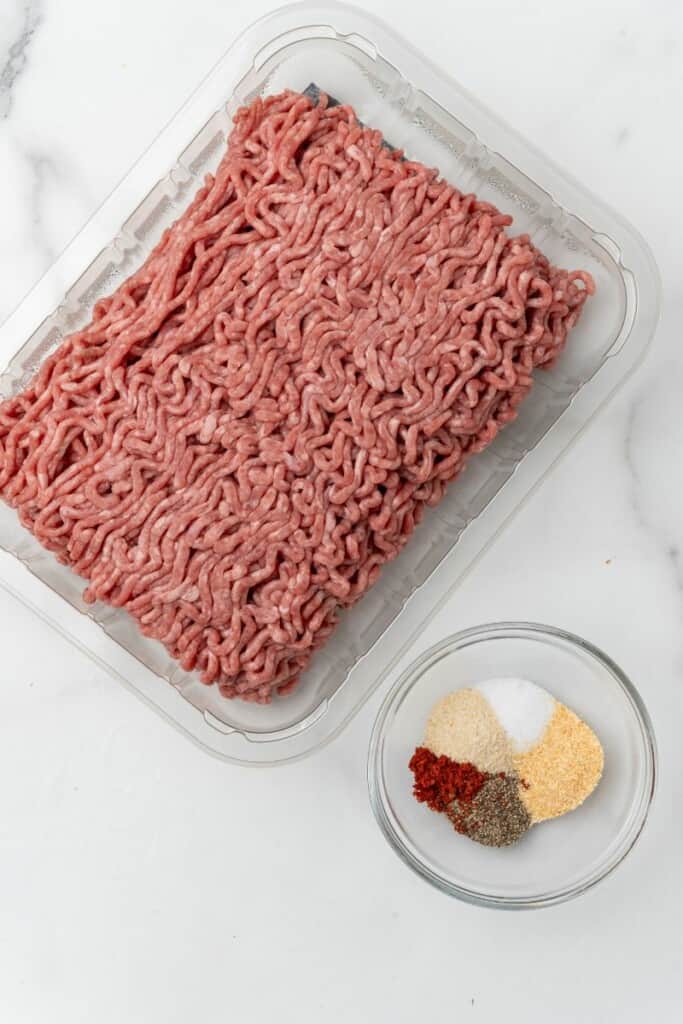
<point>463,727</point>
<point>562,769</point>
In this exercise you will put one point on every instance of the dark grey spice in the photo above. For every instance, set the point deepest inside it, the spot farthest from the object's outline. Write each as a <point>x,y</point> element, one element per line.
<point>496,816</point>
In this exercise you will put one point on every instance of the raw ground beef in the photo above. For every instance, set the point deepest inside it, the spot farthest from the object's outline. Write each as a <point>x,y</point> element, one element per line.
<point>254,422</point>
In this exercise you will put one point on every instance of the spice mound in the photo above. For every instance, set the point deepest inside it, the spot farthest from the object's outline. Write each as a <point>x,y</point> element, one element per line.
<point>502,756</point>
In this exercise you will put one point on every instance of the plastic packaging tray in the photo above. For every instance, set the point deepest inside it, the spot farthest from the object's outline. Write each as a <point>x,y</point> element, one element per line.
<point>361,61</point>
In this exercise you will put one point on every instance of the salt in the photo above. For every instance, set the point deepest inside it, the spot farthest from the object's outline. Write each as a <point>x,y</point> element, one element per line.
<point>523,708</point>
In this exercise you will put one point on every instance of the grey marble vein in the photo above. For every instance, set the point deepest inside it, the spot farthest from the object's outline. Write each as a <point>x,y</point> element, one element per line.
<point>51,176</point>
<point>16,59</point>
<point>43,170</point>
<point>623,135</point>
<point>630,432</point>
<point>630,458</point>
<point>657,532</point>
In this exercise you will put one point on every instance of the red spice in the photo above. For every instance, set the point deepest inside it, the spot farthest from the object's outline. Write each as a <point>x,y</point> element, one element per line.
<point>439,780</point>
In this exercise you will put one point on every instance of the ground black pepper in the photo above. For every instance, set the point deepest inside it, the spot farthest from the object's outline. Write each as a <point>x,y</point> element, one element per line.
<point>496,816</point>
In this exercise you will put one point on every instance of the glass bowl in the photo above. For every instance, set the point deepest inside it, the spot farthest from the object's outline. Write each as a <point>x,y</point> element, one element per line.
<point>558,859</point>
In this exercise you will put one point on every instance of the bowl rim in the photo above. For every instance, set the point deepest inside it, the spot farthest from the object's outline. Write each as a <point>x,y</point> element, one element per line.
<point>414,672</point>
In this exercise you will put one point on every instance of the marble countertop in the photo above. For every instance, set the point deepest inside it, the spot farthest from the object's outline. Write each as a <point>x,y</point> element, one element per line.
<point>143,880</point>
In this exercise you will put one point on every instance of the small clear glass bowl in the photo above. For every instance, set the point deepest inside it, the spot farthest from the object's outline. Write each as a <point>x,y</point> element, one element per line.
<point>558,859</point>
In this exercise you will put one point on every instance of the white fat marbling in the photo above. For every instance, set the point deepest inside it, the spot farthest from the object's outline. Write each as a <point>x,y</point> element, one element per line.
<point>145,881</point>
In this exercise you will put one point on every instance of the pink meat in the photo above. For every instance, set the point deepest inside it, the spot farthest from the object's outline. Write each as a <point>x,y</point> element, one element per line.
<point>253,423</point>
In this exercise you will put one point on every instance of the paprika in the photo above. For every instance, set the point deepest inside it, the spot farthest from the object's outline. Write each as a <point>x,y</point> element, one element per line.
<point>439,780</point>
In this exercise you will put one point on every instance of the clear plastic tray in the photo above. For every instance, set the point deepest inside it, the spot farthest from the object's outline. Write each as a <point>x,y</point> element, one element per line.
<point>361,61</point>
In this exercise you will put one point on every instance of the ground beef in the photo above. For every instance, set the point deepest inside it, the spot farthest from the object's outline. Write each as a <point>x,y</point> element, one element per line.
<point>254,422</point>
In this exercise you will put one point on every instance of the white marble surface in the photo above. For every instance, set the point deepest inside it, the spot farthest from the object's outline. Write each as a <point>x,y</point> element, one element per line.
<point>140,880</point>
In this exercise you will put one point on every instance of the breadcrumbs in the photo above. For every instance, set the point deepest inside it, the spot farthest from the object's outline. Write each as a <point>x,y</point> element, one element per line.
<point>464,727</point>
<point>562,769</point>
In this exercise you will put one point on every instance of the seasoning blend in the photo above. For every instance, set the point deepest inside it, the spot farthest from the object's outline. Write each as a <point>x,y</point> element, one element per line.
<point>503,755</point>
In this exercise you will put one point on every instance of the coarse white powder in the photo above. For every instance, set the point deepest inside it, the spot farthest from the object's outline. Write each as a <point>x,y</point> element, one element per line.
<point>523,708</point>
